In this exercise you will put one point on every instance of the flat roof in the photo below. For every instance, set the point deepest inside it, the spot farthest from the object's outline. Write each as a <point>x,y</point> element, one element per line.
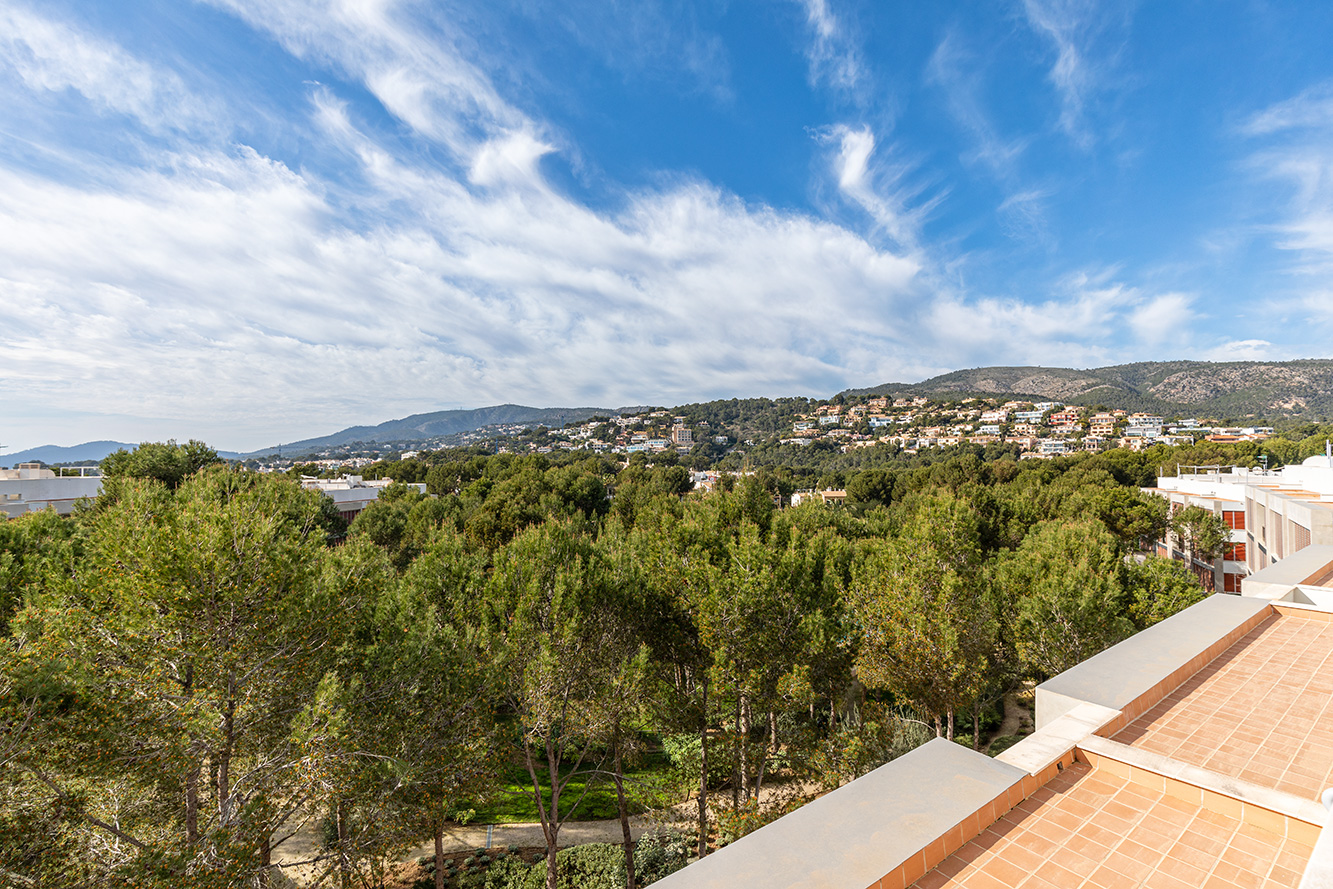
<point>1090,828</point>
<point>1262,711</point>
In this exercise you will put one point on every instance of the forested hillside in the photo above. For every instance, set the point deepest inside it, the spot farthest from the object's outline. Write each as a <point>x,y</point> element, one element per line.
<point>196,661</point>
<point>1236,389</point>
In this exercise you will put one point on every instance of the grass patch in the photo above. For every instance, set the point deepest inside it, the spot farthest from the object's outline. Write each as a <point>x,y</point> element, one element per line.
<point>513,800</point>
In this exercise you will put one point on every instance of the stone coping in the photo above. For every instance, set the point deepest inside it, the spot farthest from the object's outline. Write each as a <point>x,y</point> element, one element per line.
<point>1299,567</point>
<point>1319,870</point>
<point>893,823</point>
<point>1136,673</point>
<point>1052,742</point>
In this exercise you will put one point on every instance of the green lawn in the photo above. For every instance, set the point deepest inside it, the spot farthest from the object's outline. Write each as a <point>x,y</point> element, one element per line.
<point>514,803</point>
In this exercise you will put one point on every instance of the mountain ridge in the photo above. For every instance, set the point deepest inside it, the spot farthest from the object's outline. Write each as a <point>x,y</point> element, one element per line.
<point>1225,389</point>
<point>438,424</point>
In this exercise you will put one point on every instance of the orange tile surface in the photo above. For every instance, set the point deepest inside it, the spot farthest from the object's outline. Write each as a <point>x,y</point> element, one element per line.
<point>1089,828</point>
<point>1262,711</point>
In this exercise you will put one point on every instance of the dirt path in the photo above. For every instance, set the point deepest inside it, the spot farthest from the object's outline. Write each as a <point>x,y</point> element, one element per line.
<point>1017,717</point>
<point>305,842</point>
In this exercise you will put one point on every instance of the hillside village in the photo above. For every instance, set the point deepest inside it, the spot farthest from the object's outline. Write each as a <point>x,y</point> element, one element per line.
<point>1040,429</point>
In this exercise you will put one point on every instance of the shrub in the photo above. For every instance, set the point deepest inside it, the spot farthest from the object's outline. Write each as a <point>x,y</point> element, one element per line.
<point>511,872</point>
<point>590,866</point>
<point>659,854</point>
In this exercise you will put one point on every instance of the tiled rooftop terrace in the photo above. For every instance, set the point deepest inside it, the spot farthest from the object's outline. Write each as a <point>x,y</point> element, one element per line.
<point>1261,712</point>
<point>1087,828</point>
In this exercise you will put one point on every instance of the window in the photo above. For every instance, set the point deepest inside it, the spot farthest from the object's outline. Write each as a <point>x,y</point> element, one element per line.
<point>1235,519</point>
<point>1231,583</point>
<point>1235,552</point>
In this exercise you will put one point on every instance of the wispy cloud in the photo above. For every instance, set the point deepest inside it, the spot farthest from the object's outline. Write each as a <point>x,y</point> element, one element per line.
<point>1294,148</point>
<point>1089,319</point>
<point>833,53</point>
<point>407,56</point>
<point>52,56</point>
<point>1312,108</point>
<point>956,72</point>
<point>1085,55</point>
<point>875,184</point>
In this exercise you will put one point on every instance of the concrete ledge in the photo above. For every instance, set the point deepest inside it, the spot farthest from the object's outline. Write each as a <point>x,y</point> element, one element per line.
<point>885,829</point>
<point>1272,810</point>
<point>1302,611</point>
<point>1054,743</point>
<point>1319,869</point>
<point>1137,673</point>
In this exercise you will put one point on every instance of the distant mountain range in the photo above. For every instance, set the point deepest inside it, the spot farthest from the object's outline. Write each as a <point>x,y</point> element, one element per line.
<point>1233,389</point>
<point>89,450</point>
<point>80,453</point>
<point>424,427</point>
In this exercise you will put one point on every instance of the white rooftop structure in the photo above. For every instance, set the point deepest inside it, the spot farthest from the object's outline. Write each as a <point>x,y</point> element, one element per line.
<point>29,487</point>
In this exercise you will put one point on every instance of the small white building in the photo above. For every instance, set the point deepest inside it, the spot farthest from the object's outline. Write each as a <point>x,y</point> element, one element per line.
<point>351,493</point>
<point>30,488</point>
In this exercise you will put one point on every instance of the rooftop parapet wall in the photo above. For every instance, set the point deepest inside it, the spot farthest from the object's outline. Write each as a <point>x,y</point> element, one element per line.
<point>1138,672</point>
<point>1301,567</point>
<point>885,829</point>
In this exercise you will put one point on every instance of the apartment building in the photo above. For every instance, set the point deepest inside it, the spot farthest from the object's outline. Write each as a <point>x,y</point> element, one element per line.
<point>1273,514</point>
<point>29,487</point>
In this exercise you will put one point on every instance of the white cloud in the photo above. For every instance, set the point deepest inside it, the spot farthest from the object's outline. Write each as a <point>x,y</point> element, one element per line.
<point>1090,320</point>
<point>52,56</point>
<point>1312,108</point>
<point>1247,350</point>
<point>1022,211</point>
<point>1296,150</point>
<point>1165,318</point>
<point>1076,30</point>
<point>877,187</point>
<point>832,52</point>
<point>405,54</point>
<point>223,290</point>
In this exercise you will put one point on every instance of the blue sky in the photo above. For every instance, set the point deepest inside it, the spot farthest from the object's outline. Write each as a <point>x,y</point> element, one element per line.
<point>251,221</point>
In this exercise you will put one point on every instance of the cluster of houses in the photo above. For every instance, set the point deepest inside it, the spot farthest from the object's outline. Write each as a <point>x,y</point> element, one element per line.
<point>1042,429</point>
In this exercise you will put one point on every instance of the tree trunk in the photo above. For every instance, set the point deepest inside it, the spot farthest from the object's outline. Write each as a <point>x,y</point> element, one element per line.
<point>439,854</point>
<point>551,867</point>
<point>976,726</point>
<point>192,806</point>
<point>624,821</point>
<point>552,829</point>
<point>344,865</point>
<point>738,770</point>
<point>265,860</point>
<point>950,723</point>
<point>939,729</point>
<point>763,762</point>
<point>703,773</point>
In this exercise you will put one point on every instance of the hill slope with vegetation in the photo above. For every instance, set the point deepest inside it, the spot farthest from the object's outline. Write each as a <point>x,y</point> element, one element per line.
<point>1234,389</point>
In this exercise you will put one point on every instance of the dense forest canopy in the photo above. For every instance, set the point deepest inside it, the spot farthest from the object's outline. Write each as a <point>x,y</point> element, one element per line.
<point>204,656</point>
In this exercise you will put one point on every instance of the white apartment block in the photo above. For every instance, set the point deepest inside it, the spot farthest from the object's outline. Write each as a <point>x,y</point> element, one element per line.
<point>30,488</point>
<point>1273,514</point>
